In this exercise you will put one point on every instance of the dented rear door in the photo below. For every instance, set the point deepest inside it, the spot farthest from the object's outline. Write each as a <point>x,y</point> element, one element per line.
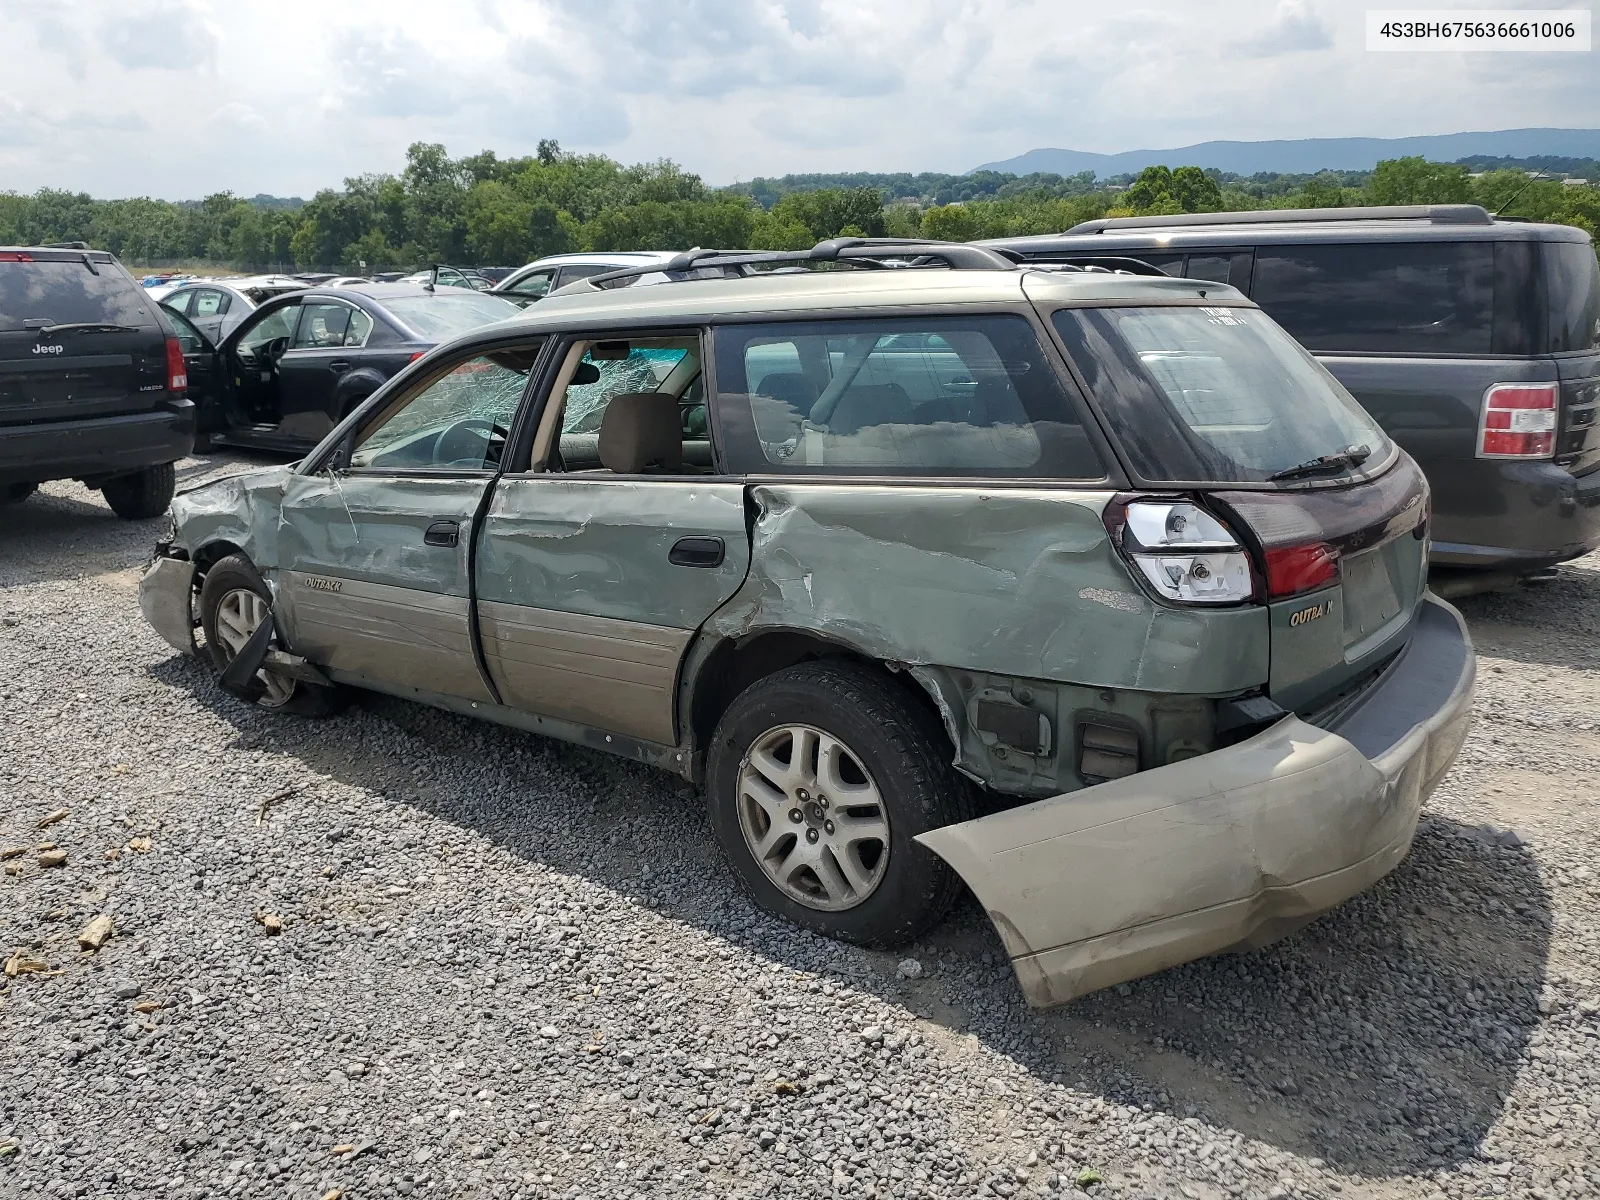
<point>590,587</point>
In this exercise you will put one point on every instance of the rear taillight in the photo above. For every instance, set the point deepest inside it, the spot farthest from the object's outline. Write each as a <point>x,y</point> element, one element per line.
<point>15,256</point>
<point>177,373</point>
<point>1187,555</point>
<point>1295,569</point>
<point>1519,421</point>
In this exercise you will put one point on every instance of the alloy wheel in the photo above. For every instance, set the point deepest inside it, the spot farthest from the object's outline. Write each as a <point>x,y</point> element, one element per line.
<point>813,818</point>
<point>239,614</point>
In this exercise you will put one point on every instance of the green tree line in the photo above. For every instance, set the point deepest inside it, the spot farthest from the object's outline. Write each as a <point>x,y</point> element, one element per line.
<point>485,210</point>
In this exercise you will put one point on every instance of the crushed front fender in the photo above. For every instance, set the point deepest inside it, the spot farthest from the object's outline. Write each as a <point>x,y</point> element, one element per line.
<point>166,597</point>
<point>1231,849</point>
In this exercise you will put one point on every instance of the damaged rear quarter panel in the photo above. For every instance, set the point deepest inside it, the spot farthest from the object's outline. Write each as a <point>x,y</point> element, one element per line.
<point>241,510</point>
<point>1017,581</point>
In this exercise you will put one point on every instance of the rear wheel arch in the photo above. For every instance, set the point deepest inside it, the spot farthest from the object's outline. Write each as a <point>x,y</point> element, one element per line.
<point>354,389</point>
<point>719,673</point>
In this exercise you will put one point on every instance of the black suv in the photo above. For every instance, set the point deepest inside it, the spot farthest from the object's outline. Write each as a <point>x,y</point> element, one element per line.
<point>1474,341</point>
<point>92,381</point>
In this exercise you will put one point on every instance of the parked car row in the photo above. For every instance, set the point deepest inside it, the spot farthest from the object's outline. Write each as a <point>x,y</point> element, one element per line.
<point>1091,591</point>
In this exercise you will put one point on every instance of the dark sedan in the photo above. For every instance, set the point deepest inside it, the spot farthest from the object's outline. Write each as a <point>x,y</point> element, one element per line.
<point>302,361</point>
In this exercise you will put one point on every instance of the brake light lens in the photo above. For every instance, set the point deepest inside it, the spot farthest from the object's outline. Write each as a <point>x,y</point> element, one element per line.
<point>1187,555</point>
<point>1295,569</point>
<point>15,256</point>
<point>1519,421</point>
<point>416,354</point>
<point>177,373</point>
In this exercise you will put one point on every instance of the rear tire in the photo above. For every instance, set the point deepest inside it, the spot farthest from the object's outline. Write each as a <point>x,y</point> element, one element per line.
<point>142,495</point>
<point>16,493</point>
<point>228,615</point>
<point>835,726</point>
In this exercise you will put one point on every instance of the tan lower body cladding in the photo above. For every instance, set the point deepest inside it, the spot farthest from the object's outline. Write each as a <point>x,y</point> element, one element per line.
<point>600,671</point>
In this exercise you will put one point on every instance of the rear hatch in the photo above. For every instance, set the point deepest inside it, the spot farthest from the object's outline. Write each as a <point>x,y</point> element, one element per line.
<point>1322,517</point>
<point>78,338</point>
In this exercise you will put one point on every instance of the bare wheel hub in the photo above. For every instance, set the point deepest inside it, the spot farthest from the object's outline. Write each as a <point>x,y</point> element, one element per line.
<point>813,817</point>
<point>239,614</point>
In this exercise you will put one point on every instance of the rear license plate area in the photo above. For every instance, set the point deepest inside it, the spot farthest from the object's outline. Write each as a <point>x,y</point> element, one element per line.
<point>1371,593</point>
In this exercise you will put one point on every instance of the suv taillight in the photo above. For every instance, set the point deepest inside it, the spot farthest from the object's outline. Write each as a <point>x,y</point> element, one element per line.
<point>1518,421</point>
<point>177,373</point>
<point>15,256</point>
<point>1187,555</point>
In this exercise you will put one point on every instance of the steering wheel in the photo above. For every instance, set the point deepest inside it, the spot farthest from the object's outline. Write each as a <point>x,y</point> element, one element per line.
<point>472,444</point>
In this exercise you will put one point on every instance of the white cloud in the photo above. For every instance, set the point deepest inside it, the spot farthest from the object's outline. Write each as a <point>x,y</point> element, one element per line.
<point>295,95</point>
<point>170,35</point>
<point>1296,27</point>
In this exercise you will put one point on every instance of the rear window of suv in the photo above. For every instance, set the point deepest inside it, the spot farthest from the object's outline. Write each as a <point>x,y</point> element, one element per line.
<point>1381,297</point>
<point>1212,394</point>
<point>66,292</point>
<point>966,396</point>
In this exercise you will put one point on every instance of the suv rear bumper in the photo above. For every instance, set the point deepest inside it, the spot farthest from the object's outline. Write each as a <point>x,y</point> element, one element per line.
<point>97,448</point>
<point>1509,515</point>
<point>1231,850</point>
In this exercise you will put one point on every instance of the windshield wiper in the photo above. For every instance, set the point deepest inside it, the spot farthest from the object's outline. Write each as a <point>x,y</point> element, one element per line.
<point>90,327</point>
<point>1328,463</point>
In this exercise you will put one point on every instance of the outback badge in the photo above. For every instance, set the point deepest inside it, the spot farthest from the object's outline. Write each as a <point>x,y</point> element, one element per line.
<point>1315,612</point>
<point>319,584</point>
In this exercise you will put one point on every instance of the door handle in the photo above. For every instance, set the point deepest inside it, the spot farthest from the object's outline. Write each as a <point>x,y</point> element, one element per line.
<point>443,533</point>
<point>339,368</point>
<point>697,552</point>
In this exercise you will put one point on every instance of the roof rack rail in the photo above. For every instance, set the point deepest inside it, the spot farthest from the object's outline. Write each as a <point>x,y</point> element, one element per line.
<point>65,246</point>
<point>1437,214</point>
<point>864,253</point>
<point>1109,264</point>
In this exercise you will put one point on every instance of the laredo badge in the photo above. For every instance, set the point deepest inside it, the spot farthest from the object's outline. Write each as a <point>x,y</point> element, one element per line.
<point>1314,613</point>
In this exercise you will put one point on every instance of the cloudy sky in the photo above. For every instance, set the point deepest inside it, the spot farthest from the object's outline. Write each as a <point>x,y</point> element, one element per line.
<point>178,98</point>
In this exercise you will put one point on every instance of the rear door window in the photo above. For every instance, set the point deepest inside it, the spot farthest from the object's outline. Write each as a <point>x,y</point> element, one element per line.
<point>580,271</point>
<point>1382,297</point>
<point>209,302</point>
<point>322,326</point>
<point>963,396</point>
<point>36,291</point>
<point>180,301</point>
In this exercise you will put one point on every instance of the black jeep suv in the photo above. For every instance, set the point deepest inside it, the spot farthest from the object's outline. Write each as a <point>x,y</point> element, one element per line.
<point>91,380</point>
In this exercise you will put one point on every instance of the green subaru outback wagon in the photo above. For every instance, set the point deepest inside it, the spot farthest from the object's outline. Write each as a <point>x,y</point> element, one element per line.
<point>1088,590</point>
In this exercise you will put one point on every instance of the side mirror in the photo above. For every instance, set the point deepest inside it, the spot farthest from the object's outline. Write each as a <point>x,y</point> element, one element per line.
<point>339,458</point>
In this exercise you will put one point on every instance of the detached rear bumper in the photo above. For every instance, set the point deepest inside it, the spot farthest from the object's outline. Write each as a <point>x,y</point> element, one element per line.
<point>1230,850</point>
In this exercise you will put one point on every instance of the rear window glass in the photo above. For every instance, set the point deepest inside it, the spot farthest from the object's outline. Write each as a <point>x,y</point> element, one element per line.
<point>1572,279</point>
<point>1392,297</point>
<point>965,396</point>
<point>69,293</point>
<point>448,313</point>
<point>1212,394</point>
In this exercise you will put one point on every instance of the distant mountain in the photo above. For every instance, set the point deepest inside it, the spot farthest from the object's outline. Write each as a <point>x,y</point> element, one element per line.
<point>1305,155</point>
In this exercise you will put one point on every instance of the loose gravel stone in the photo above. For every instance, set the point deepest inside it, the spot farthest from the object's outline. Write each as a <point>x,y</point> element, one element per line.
<point>514,968</point>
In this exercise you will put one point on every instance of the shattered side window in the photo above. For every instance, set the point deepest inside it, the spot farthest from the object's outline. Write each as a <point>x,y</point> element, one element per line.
<point>619,368</point>
<point>459,421</point>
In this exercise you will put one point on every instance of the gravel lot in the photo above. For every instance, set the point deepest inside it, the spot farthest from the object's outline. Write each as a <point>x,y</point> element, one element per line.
<point>509,967</point>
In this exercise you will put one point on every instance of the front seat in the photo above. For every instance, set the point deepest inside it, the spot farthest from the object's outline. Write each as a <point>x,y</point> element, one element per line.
<point>641,431</point>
